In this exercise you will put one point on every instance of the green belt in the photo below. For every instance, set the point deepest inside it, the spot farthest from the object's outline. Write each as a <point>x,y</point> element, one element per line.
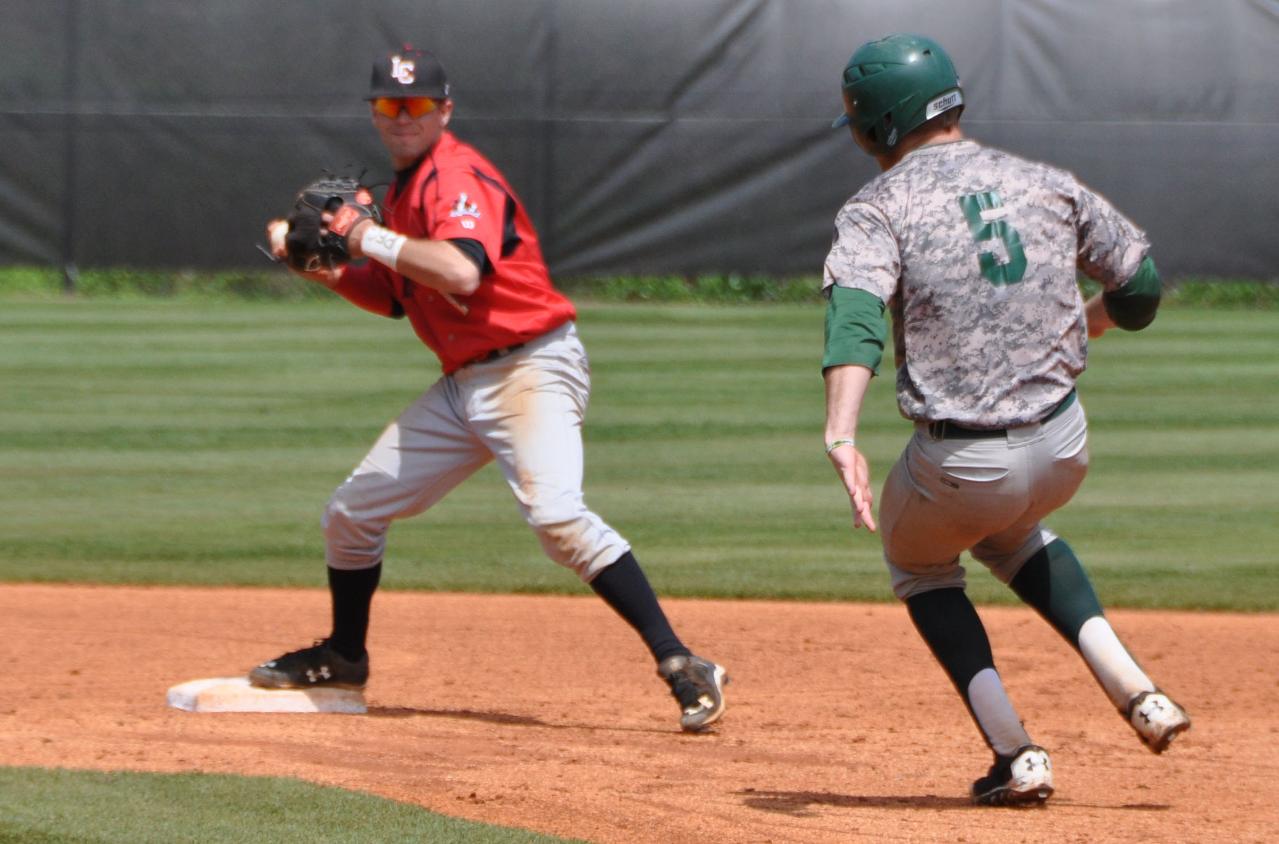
<point>945,430</point>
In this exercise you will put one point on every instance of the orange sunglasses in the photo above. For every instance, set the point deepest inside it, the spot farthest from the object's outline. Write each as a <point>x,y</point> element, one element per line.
<point>415,106</point>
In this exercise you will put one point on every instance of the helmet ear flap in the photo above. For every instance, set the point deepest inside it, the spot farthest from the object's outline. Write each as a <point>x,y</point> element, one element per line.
<point>882,134</point>
<point>891,135</point>
<point>890,131</point>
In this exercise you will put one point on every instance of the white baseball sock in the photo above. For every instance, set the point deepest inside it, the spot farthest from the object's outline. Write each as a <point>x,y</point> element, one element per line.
<point>1110,661</point>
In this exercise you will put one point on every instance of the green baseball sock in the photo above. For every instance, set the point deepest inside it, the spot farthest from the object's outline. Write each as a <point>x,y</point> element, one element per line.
<point>1055,584</point>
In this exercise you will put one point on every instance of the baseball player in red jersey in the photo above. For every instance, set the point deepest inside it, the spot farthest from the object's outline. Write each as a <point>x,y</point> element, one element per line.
<point>458,256</point>
<point>975,252</point>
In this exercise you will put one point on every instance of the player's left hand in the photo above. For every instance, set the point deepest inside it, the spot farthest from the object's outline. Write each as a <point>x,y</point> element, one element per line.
<point>854,471</point>
<point>326,214</point>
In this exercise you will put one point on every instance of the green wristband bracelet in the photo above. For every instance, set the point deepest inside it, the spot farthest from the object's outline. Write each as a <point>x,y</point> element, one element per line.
<point>836,444</point>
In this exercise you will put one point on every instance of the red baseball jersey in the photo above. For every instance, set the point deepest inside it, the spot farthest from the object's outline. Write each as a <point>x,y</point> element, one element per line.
<point>456,193</point>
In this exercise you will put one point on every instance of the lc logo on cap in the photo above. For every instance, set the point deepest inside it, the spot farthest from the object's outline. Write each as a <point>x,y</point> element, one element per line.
<point>406,72</point>
<point>402,70</point>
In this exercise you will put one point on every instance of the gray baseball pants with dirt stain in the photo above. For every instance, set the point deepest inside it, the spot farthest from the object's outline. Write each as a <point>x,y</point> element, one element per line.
<point>525,411</point>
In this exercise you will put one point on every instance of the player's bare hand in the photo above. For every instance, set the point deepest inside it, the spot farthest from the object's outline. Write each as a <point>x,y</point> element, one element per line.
<point>854,471</point>
<point>1099,321</point>
<point>276,232</point>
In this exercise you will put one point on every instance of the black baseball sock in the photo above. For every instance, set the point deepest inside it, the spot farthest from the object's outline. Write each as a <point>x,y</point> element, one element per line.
<point>1055,584</point>
<point>624,587</point>
<point>948,622</point>
<point>950,625</point>
<point>352,592</point>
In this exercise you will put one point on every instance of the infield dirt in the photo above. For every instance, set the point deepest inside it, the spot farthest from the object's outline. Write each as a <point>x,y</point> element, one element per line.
<point>545,713</point>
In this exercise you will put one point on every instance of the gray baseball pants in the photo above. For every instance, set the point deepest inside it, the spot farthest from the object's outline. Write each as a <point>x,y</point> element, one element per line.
<point>986,496</point>
<point>525,411</point>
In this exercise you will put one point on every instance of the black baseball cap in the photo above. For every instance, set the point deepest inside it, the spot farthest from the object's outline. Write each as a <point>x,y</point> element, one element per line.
<point>408,73</point>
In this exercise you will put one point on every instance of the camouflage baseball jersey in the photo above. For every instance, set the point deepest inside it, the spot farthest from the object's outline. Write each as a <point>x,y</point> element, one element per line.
<point>975,252</point>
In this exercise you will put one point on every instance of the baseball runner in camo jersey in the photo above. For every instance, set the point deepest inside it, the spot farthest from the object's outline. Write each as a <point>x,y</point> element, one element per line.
<point>458,256</point>
<point>974,252</point>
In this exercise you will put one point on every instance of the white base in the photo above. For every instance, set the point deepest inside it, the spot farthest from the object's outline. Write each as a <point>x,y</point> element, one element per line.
<point>234,694</point>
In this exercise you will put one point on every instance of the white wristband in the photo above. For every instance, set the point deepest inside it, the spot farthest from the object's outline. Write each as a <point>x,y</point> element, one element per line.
<point>382,245</point>
<point>837,443</point>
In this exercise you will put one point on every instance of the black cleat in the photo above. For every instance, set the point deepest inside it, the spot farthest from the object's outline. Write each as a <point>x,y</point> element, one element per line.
<point>1023,779</point>
<point>698,685</point>
<point>318,665</point>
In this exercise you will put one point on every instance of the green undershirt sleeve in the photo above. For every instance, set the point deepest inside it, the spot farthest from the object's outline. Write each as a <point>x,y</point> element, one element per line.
<point>855,329</point>
<point>1133,306</point>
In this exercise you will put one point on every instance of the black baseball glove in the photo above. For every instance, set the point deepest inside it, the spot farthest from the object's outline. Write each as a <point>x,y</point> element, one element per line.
<point>313,244</point>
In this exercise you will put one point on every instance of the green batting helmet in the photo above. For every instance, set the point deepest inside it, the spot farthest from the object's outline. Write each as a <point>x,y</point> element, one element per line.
<point>896,84</point>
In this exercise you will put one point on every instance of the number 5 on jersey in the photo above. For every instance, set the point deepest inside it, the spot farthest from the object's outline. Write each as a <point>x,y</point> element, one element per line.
<point>985,215</point>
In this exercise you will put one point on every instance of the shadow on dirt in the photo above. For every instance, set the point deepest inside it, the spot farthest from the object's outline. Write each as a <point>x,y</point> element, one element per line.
<point>466,714</point>
<point>799,803</point>
<point>510,719</point>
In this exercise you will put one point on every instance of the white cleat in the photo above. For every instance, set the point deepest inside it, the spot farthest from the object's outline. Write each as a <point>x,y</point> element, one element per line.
<point>1022,779</point>
<point>1157,719</point>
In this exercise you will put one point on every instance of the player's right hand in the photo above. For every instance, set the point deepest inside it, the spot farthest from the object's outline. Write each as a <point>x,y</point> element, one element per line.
<point>854,471</point>
<point>277,231</point>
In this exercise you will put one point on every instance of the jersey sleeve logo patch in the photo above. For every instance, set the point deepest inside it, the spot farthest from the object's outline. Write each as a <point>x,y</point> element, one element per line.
<point>464,207</point>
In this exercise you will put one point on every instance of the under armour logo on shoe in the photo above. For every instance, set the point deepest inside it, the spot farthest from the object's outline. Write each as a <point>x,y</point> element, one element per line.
<point>316,676</point>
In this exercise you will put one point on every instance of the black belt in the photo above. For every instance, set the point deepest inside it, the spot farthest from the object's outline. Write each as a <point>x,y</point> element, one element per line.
<point>495,354</point>
<point>946,430</point>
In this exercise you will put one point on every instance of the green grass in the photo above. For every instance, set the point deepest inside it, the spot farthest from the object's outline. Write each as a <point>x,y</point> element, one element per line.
<point>195,442</point>
<point>58,807</point>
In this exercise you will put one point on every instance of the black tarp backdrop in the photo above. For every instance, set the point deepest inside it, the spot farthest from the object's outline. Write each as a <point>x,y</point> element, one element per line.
<point>644,135</point>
